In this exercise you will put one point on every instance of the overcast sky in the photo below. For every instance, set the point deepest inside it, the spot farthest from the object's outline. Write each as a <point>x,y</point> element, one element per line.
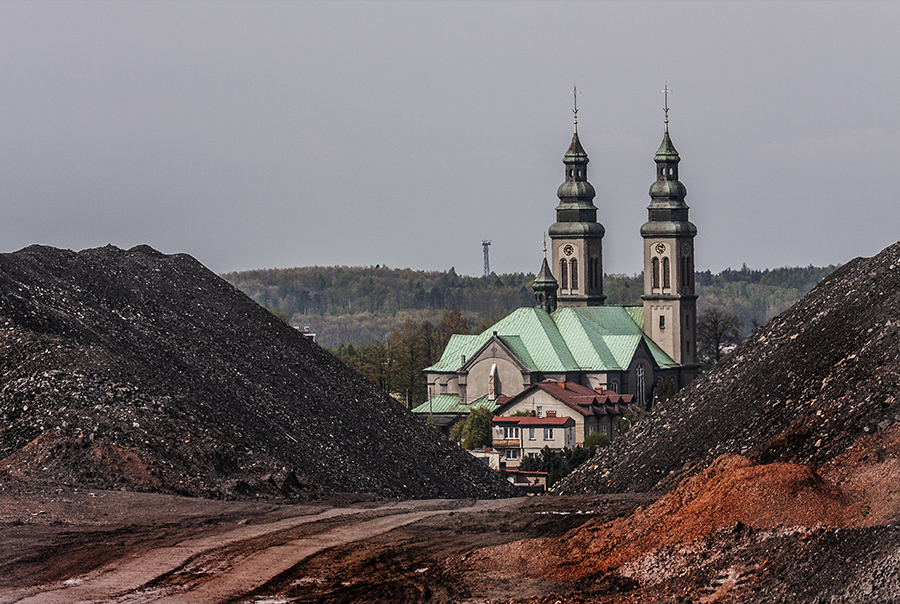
<point>279,134</point>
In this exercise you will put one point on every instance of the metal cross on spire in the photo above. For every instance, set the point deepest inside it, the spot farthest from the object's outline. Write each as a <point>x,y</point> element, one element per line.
<point>666,92</point>
<point>575,110</point>
<point>545,245</point>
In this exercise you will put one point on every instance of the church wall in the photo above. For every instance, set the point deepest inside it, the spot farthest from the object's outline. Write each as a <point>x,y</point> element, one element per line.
<point>595,380</point>
<point>640,378</point>
<point>508,384</point>
<point>442,383</point>
<point>662,323</point>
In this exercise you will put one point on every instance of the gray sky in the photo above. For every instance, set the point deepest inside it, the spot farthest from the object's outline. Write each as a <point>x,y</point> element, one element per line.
<point>255,135</point>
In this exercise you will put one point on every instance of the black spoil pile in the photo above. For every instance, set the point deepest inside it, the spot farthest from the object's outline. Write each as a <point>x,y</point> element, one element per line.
<point>133,369</point>
<point>804,388</point>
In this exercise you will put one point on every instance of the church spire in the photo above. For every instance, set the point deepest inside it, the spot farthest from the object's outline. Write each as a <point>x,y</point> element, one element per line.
<point>575,110</point>
<point>576,235</point>
<point>667,212</point>
<point>670,313</point>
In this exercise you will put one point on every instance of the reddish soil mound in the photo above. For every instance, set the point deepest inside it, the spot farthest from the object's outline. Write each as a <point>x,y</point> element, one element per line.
<point>733,491</point>
<point>869,473</point>
<point>75,459</point>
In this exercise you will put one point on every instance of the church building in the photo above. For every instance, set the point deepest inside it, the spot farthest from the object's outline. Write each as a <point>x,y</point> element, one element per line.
<point>570,335</point>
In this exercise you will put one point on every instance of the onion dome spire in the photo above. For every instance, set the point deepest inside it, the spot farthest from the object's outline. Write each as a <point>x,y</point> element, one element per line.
<point>668,213</point>
<point>576,194</point>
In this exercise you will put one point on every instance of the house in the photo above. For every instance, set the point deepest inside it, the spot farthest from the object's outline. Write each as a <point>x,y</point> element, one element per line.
<point>591,410</point>
<point>530,483</point>
<point>488,456</point>
<point>518,437</point>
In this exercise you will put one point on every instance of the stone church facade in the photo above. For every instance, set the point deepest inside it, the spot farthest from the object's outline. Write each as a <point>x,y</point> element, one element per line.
<point>571,335</point>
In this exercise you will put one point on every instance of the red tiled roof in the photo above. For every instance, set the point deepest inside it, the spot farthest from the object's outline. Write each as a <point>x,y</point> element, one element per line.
<point>581,399</point>
<point>530,420</point>
<point>526,472</point>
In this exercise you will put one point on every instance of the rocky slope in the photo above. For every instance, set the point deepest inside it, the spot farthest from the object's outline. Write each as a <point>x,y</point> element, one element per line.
<point>778,471</point>
<point>137,370</point>
<point>818,380</point>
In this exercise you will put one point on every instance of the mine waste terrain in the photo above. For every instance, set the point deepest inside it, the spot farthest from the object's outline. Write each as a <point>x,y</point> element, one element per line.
<point>163,438</point>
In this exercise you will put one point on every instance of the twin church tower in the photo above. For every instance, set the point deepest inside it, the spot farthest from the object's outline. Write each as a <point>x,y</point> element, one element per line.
<point>571,337</point>
<point>574,276</point>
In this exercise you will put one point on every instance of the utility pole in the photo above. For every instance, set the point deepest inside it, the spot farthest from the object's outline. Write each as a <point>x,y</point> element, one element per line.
<point>487,265</point>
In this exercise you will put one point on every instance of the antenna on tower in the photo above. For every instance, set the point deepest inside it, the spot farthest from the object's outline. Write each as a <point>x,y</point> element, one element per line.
<point>487,265</point>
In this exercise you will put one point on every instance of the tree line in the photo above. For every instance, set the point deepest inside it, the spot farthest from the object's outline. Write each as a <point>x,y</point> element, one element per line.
<point>364,305</point>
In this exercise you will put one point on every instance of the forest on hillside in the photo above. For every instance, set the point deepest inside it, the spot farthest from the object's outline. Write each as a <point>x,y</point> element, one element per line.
<point>363,305</point>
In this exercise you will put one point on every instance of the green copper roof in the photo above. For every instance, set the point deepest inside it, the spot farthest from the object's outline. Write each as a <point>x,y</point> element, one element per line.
<point>605,338</point>
<point>528,333</point>
<point>449,403</point>
<point>587,338</point>
<point>518,349</point>
<point>666,152</point>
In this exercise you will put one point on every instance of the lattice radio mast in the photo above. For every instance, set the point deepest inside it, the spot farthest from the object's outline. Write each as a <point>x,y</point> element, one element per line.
<point>487,265</point>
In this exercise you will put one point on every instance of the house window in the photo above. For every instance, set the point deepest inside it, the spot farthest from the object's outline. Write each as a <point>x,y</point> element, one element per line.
<point>510,432</point>
<point>512,454</point>
<point>603,429</point>
<point>530,433</point>
<point>548,433</point>
<point>591,429</point>
<point>532,455</point>
<point>540,411</point>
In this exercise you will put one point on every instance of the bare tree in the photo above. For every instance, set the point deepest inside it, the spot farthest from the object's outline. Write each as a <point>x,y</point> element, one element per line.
<point>715,326</point>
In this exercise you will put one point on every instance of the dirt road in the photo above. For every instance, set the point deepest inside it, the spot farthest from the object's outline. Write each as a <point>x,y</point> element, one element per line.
<point>213,564</point>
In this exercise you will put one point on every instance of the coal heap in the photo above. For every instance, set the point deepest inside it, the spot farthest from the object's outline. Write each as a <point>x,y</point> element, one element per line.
<point>144,371</point>
<point>819,378</point>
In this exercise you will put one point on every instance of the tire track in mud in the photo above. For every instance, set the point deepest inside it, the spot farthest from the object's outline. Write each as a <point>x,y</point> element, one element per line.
<point>226,569</point>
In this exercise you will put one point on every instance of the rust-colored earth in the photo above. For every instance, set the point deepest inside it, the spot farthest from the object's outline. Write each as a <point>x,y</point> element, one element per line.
<point>735,532</point>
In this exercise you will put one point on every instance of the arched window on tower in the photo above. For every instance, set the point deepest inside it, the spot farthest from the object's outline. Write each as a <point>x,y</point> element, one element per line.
<point>654,271</point>
<point>563,274</point>
<point>666,273</point>
<point>574,264</point>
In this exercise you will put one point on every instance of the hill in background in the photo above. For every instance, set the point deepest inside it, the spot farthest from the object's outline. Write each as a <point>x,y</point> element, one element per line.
<point>144,371</point>
<point>362,305</point>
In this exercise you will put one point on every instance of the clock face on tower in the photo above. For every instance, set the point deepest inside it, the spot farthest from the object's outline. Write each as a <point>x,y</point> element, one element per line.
<point>568,249</point>
<point>660,248</point>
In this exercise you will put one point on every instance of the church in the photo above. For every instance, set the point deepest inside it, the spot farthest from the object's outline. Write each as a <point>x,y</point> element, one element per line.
<point>570,335</point>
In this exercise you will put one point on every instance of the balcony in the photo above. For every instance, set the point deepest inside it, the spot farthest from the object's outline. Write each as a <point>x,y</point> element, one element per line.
<point>506,443</point>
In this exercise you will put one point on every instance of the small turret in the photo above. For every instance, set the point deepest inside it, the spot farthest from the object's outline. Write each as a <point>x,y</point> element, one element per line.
<point>545,287</point>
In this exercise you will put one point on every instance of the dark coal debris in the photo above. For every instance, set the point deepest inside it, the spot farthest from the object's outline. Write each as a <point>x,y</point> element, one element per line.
<point>144,371</point>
